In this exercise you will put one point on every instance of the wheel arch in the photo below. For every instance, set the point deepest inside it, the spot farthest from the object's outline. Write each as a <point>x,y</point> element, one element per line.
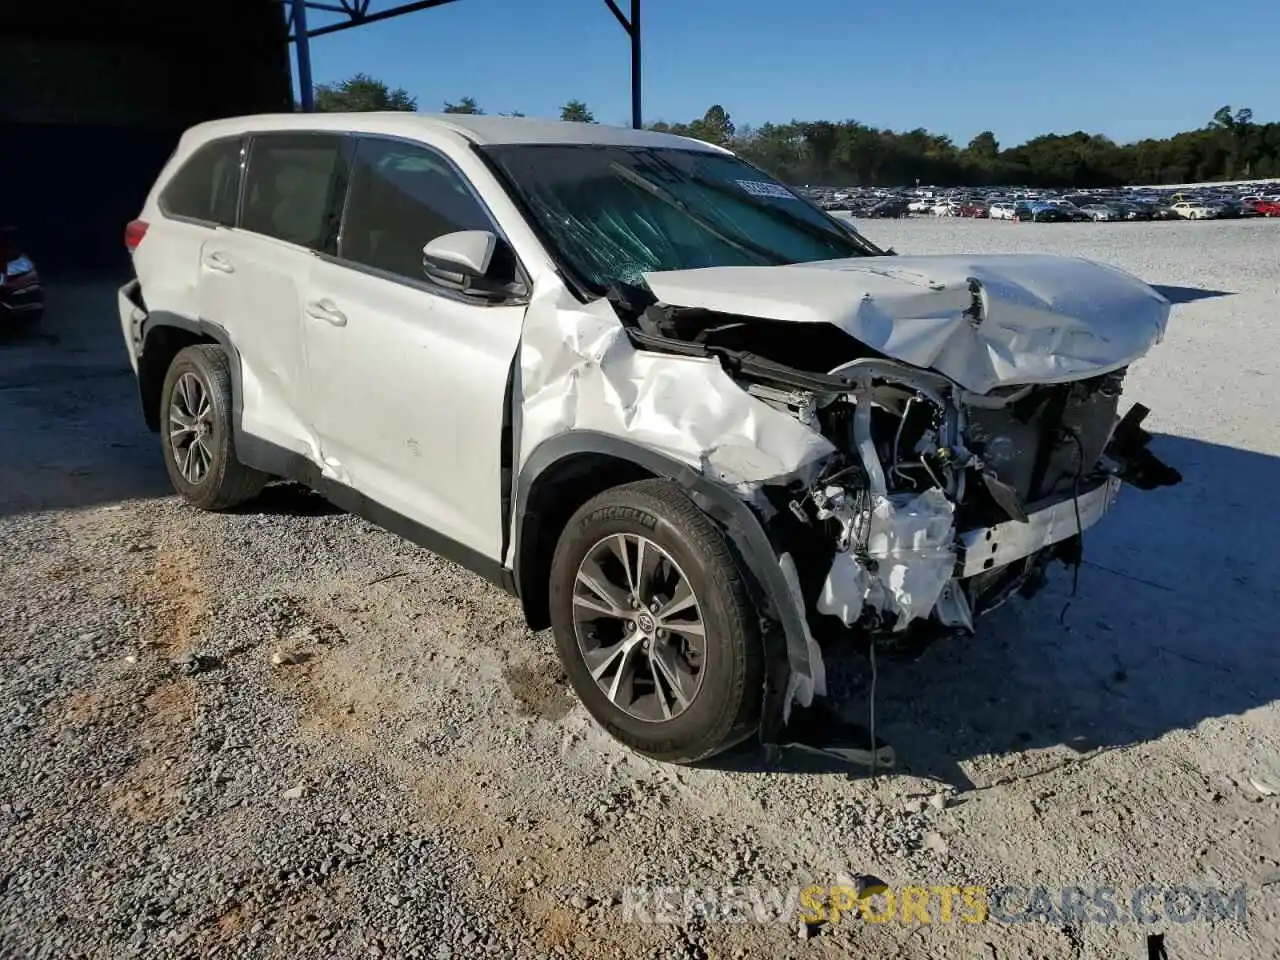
<point>577,454</point>
<point>587,463</point>
<point>164,336</point>
<point>559,477</point>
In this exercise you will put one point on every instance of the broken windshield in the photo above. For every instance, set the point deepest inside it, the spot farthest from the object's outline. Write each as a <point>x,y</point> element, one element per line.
<point>613,213</point>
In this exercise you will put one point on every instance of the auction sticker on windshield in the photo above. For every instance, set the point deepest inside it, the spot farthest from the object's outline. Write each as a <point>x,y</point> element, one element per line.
<point>763,188</point>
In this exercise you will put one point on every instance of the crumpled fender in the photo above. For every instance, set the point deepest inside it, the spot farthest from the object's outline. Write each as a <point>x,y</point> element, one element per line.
<point>578,370</point>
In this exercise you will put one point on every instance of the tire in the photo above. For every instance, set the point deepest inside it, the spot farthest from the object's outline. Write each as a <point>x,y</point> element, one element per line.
<point>725,707</point>
<point>225,482</point>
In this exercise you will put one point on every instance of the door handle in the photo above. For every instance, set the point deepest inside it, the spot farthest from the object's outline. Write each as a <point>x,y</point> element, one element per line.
<point>326,310</point>
<point>216,261</point>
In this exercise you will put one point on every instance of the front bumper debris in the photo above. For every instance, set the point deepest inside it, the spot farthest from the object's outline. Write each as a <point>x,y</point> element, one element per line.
<point>1047,523</point>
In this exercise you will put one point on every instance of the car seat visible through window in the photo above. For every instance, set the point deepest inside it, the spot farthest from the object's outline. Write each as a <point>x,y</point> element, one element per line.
<point>390,221</point>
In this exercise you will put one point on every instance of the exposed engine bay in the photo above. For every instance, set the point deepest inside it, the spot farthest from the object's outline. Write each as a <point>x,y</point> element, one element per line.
<point>939,503</point>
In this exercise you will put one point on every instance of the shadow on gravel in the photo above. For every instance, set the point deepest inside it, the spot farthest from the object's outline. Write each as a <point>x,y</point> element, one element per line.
<point>27,335</point>
<point>71,433</point>
<point>1173,625</point>
<point>1176,295</point>
<point>289,500</point>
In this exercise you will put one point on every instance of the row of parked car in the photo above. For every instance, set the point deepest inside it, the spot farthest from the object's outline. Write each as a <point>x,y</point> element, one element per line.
<point>1132,204</point>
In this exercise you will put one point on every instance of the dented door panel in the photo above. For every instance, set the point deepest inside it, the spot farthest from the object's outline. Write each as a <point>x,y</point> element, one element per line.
<point>409,398</point>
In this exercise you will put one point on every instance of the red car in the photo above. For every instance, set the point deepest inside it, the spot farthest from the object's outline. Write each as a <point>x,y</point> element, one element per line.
<point>1268,208</point>
<point>972,210</point>
<point>21,296</point>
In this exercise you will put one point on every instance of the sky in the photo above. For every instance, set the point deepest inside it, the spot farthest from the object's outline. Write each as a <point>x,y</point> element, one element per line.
<point>1125,68</point>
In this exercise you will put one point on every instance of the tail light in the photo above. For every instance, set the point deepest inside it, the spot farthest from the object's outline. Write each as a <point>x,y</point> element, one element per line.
<point>133,234</point>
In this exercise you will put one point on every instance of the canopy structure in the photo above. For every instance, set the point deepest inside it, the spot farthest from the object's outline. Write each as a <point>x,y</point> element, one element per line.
<point>95,93</point>
<point>356,13</point>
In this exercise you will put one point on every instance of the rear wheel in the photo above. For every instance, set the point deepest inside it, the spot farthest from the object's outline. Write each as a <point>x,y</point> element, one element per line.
<point>655,625</point>
<point>196,426</point>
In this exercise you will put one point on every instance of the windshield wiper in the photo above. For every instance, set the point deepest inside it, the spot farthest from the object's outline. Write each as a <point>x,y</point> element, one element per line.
<point>661,193</point>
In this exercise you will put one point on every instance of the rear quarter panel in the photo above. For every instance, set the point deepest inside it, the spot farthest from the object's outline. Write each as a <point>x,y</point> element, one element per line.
<point>167,261</point>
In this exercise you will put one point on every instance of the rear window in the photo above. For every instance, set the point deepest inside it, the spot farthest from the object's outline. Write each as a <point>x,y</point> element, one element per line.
<point>294,187</point>
<point>207,187</point>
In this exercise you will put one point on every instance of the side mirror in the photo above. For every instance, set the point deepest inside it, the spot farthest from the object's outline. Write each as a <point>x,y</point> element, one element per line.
<point>473,261</point>
<point>458,259</point>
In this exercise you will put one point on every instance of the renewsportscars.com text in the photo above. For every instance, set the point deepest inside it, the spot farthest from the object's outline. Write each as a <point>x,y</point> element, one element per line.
<point>933,904</point>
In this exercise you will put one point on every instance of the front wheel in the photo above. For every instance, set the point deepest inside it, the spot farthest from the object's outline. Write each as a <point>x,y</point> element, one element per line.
<point>654,623</point>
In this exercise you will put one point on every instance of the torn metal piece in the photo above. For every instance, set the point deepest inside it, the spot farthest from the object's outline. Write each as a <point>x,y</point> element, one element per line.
<point>977,311</point>
<point>952,608</point>
<point>1004,495</point>
<point>1135,463</point>
<point>579,371</point>
<point>989,548</point>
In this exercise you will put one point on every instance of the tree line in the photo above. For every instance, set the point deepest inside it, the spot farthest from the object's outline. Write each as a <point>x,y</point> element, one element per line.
<point>1231,146</point>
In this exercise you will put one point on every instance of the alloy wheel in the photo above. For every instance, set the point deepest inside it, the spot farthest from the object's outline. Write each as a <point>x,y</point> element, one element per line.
<point>190,427</point>
<point>639,627</point>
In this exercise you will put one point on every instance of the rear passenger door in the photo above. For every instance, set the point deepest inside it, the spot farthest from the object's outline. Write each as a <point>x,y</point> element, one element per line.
<point>253,279</point>
<point>408,378</point>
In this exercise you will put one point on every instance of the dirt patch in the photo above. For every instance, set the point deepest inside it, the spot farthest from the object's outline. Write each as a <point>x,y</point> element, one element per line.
<point>233,921</point>
<point>152,788</point>
<point>101,705</point>
<point>78,710</point>
<point>61,571</point>
<point>338,697</point>
<point>540,688</point>
<point>174,598</point>
<point>334,710</point>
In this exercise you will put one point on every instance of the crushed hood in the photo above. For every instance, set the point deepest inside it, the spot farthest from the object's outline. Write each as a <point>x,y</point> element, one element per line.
<point>983,321</point>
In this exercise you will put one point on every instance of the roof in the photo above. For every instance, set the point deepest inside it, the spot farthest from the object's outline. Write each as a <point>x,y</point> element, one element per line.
<point>479,129</point>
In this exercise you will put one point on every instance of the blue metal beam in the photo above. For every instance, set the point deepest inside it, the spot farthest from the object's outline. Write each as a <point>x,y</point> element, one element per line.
<point>357,14</point>
<point>302,48</point>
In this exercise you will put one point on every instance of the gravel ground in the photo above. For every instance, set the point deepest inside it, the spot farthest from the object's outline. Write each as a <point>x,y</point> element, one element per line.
<point>284,732</point>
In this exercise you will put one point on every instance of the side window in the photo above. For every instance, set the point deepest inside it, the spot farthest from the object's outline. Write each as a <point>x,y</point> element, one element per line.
<point>294,187</point>
<point>207,187</point>
<point>403,196</point>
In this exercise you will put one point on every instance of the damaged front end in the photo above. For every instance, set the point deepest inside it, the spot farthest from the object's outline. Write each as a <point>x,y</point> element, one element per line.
<point>937,503</point>
<point>912,450</point>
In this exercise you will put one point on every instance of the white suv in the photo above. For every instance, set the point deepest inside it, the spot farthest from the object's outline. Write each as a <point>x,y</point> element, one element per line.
<point>696,425</point>
<point>1195,210</point>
